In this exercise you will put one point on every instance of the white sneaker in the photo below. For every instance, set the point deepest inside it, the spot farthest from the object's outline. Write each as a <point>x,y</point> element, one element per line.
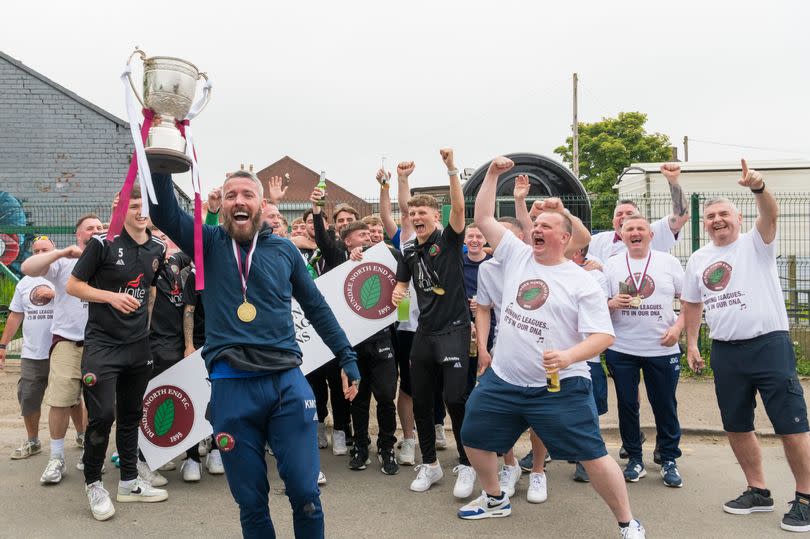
<point>486,507</point>
<point>80,464</point>
<point>54,471</point>
<point>407,452</point>
<point>191,471</point>
<point>168,467</point>
<point>321,478</point>
<point>465,481</point>
<point>634,531</point>
<point>441,440</point>
<point>203,447</point>
<point>214,462</point>
<point>323,441</point>
<point>538,488</point>
<point>100,503</point>
<point>508,478</point>
<point>339,442</point>
<point>153,478</point>
<point>426,475</point>
<point>141,491</point>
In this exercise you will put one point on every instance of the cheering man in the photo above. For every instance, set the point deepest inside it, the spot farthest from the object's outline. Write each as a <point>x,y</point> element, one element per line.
<point>117,278</point>
<point>735,278</point>
<point>553,318</point>
<point>442,341</point>
<point>665,230</point>
<point>643,286</point>
<point>258,393</point>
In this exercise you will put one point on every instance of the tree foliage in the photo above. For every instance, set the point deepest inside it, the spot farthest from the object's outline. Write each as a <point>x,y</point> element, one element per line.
<point>606,148</point>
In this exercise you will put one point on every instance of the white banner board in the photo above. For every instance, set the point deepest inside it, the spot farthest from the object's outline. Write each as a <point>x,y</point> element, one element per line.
<point>359,294</point>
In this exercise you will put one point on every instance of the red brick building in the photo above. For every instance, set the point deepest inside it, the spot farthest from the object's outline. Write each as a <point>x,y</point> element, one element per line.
<point>302,181</point>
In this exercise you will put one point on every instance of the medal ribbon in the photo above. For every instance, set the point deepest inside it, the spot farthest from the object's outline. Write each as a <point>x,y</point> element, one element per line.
<point>640,283</point>
<point>244,273</point>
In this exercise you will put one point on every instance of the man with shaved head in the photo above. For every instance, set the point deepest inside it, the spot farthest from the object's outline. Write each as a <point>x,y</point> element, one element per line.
<point>258,393</point>
<point>735,279</point>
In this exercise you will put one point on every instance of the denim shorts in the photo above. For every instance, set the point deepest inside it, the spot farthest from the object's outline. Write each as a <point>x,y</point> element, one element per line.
<point>498,412</point>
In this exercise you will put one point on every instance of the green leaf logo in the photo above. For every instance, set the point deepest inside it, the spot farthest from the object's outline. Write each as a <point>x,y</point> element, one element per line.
<point>531,293</point>
<point>717,275</point>
<point>164,417</point>
<point>370,292</point>
<point>223,441</point>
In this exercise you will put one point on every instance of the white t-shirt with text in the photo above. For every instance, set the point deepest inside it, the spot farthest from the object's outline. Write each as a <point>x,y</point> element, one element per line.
<point>69,312</point>
<point>37,316</point>
<point>639,330</point>
<point>543,307</point>
<point>603,246</point>
<point>739,287</point>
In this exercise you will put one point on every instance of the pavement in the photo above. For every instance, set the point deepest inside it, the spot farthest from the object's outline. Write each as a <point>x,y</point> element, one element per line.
<point>370,504</point>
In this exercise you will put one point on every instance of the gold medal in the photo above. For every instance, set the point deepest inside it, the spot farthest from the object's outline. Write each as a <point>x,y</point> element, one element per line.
<point>246,312</point>
<point>635,302</point>
<point>438,290</point>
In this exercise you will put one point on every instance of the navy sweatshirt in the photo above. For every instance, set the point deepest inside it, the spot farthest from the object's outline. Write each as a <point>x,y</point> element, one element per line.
<point>277,274</point>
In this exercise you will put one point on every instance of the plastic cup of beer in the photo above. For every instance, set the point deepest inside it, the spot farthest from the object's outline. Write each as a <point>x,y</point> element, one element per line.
<point>404,309</point>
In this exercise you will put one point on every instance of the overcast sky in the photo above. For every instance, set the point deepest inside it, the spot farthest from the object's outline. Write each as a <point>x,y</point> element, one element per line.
<point>336,85</point>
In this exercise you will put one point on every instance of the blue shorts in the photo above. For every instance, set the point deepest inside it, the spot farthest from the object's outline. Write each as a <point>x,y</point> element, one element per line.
<point>498,412</point>
<point>766,364</point>
<point>600,387</point>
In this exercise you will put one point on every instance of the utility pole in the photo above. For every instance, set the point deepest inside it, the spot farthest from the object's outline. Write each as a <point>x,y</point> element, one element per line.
<point>685,148</point>
<point>575,153</point>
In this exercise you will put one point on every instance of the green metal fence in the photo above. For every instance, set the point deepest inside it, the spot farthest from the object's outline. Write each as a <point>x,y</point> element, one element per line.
<point>57,221</point>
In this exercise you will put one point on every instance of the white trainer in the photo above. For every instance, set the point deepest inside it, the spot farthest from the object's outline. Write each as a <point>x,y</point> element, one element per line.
<point>321,478</point>
<point>538,488</point>
<point>339,442</point>
<point>634,531</point>
<point>54,471</point>
<point>80,464</point>
<point>100,502</point>
<point>407,452</point>
<point>508,478</point>
<point>214,462</point>
<point>203,447</point>
<point>441,439</point>
<point>141,491</point>
<point>151,477</point>
<point>191,470</point>
<point>323,441</point>
<point>168,467</point>
<point>465,481</point>
<point>426,475</point>
<point>485,506</point>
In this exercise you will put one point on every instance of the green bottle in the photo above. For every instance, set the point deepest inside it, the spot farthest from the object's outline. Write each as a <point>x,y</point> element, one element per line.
<point>404,309</point>
<point>322,186</point>
<point>316,256</point>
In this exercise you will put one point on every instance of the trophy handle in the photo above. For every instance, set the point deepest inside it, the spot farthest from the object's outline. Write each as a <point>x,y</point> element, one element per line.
<point>142,54</point>
<point>203,75</point>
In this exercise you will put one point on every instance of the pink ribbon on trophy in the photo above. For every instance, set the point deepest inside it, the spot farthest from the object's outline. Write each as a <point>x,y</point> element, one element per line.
<point>117,220</point>
<point>199,282</point>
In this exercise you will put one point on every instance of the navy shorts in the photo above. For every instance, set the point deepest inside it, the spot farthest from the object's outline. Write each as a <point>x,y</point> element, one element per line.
<point>765,364</point>
<point>600,387</point>
<point>498,412</point>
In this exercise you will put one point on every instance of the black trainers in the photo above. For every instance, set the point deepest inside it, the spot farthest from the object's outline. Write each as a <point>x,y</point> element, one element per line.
<point>798,518</point>
<point>388,461</point>
<point>359,459</point>
<point>749,502</point>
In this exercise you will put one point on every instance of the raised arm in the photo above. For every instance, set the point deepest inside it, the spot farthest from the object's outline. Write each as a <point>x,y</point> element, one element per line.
<point>680,206</point>
<point>520,193</point>
<point>332,252</point>
<point>580,235</point>
<point>404,170</point>
<point>389,225</point>
<point>38,265</point>
<point>767,207</point>
<point>456,194</point>
<point>213,207</point>
<point>276,190</point>
<point>485,202</point>
<point>168,216</point>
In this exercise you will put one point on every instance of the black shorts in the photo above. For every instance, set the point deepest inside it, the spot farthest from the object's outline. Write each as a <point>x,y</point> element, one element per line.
<point>766,364</point>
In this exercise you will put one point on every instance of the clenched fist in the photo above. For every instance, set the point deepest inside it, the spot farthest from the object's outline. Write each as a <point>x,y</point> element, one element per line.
<point>500,165</point>
<point>447,157</point>
<point>405,168</point>
<point>671,171</point>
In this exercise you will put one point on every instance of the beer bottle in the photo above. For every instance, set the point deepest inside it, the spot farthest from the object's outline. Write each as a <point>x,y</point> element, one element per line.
<point>313,262</point>
<point>322,186</point>
<point>552,377</point>
<point>473,340</point>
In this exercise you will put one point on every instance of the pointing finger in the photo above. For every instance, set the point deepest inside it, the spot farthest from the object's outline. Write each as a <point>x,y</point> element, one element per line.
<point>744,168</point>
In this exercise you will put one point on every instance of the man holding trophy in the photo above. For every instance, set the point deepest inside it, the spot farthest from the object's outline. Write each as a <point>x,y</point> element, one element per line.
<point>259,395</point>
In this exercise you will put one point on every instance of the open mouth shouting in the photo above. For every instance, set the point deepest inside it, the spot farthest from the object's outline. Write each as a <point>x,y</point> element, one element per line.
<point>241,216</point>
<point>538,240</point>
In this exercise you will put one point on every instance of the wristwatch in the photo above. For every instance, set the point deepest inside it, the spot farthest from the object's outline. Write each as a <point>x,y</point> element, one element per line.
<point>453,172</point>
<point>758,191</point>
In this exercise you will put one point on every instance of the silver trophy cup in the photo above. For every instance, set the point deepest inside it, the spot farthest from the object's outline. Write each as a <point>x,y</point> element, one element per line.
<point>169,86</point>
